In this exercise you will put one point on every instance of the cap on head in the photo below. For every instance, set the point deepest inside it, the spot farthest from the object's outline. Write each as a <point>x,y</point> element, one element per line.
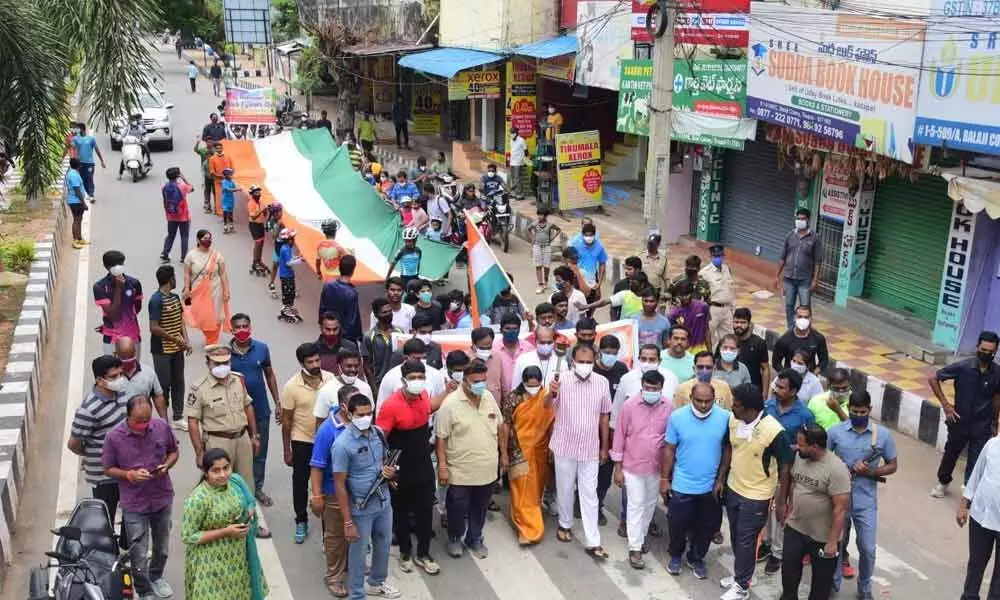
<point>717,249</point>
<point>219,353</point>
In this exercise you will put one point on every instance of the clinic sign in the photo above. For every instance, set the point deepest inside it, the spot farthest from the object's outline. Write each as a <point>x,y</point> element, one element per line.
<point>709,228</point>
<point>853,255</point>
<point>855,79</point>
<point>959,99</point>
<point>955,280</point>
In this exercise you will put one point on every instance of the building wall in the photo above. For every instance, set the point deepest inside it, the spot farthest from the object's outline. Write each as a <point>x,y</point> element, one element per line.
<point>497,25</point>
<point>392,20</point>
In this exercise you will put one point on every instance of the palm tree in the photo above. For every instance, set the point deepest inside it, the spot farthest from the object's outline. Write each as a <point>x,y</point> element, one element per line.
<point>54,48</point>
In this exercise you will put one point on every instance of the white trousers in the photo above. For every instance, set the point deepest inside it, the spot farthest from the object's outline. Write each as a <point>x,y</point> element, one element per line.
<point>643,492</point>
<point>583,475</point>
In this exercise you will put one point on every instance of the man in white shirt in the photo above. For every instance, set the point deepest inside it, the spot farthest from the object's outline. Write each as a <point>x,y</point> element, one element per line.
<point>402,313</point>
<point>438,208</point>
<point>565,282</point>
<point>518,155</point>
<point>350,371</point>
<point>413,349</point>
<point>631,383</point>
<point>543,357</point>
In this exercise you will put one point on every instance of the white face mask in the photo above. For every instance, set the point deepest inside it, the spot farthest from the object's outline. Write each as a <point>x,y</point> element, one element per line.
<point>802,323</point>
<point>532,389</point>
<point>729,355</point>
<point>348,379</point>
<point>415,386</point>
<point>545,350</point>
<point>117,385</point>
<point>117,270</point>
<point>651,396</point>
<point>362,423</point>
<point>483,354</point>
<point>800,369</point>
<point>583,370</point>
<point>457,376</point>
<point>801,224</point>
<point>699,414</point>
<point>424,337</point>
<point>588,239</point>
<point>646,366</point>
<point>221,371</point>
<point>454,306</point>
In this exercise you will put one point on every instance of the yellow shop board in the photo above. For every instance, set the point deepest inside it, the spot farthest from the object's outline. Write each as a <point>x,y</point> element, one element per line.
<point>522,104</point>
<point>474,85</point>
<point>426,109</point>
<point>578,160</point>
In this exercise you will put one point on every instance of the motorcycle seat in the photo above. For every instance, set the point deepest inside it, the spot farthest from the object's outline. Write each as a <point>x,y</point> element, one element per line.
<point>96,531</point>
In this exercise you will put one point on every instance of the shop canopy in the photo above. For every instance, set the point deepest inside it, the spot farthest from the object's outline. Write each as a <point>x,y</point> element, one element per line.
<point>557,46</point>
<point>445,62</point>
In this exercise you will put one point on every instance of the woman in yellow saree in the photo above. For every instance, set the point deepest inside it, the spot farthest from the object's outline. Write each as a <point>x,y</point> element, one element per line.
<point>530,424</point>
<point>206,289</point>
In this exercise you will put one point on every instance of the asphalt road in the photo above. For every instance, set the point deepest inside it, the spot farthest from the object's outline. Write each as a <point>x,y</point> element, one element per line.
<point>921,552</point>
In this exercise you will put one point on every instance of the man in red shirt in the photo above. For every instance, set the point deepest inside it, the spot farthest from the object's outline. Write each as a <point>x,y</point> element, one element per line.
<point>175,205</point>
<point>405,419</point>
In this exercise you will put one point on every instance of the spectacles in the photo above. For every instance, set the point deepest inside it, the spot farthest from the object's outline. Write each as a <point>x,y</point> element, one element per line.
<point>703,368</point>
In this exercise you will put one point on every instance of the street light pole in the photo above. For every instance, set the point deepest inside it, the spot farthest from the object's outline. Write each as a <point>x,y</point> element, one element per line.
<point>657,187</point>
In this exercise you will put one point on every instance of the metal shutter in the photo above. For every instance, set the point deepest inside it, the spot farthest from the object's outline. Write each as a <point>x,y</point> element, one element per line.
<point>906,257</point>
<point>758,205</point>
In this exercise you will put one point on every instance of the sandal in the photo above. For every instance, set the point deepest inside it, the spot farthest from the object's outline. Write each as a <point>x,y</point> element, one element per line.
<point>564,535</point>
<point>622,529</point>
<point>337,590</point>
<point>598,553</point>
<point>635,560</point>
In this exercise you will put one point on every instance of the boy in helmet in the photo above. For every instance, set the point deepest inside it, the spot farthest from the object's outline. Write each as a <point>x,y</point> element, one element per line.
<point>408,257</point>
<point>257,212</point>
<point>286,259</point>
<point>329,252</point>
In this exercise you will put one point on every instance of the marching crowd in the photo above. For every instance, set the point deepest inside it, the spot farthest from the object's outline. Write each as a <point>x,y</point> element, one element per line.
<point>700,418</point>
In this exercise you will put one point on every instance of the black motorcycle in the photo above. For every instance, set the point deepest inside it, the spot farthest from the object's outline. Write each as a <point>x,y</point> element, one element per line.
<point>89,564</point>
<point>287,115</point>
<point>500,217</point>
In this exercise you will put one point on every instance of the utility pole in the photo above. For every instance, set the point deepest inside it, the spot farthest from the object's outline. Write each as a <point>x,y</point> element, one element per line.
<point>657,188</point>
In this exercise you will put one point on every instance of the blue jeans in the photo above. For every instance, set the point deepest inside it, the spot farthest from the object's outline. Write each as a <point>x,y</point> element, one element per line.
<point>173,228</point>
<point>746,520</point>
<point>797,293</point>
<point>260,461</point>
<point>376,528</point>
<point>467,503</point>
<point>143,528</point>
<point>697,514</point>
<point>865,522</point>
<point>87,174</point>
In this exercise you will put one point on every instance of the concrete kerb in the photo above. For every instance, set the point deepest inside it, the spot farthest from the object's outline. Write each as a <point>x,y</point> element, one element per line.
<point>20,384</point>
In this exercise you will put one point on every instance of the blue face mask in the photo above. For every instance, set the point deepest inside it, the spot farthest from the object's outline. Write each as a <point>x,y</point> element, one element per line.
<point>608,360</point>
<point>477,388</point>
<point>858,421</point>
<point>717,261</point>
<point>509,337</point>
<point>651,397</point>
<point>425,296</point>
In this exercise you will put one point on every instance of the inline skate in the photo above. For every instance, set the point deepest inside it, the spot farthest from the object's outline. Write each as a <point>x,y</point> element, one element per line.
<point>259,269</point>
<point>289,314</point>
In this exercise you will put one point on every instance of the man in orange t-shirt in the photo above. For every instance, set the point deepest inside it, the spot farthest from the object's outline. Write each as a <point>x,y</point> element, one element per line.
<point>329,252</point>
<point>216,164</point>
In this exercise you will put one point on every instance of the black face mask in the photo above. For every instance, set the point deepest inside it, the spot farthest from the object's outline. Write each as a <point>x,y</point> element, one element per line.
<point>804,456</point>
<point>985,358</point>
<point>314,372</point>
<point>385,319</point>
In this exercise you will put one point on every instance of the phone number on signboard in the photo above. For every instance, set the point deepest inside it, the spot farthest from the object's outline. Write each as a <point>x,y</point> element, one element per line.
<point>823,130</point>
<point>777,117</point>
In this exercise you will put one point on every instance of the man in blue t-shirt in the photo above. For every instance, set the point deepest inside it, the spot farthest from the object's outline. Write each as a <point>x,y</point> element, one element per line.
<point>324,505</point>
<point>86,148</point>
<point>593,258</point>
<point>402,187</point>
<point>75,200</point>
<point>651,324</point>
<point>697,445</point>
<point>408,259</point>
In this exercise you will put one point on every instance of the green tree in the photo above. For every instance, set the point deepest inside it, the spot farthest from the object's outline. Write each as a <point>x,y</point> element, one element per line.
<point>197,18</point>
<point>285,22</point>
<point>53,48</point>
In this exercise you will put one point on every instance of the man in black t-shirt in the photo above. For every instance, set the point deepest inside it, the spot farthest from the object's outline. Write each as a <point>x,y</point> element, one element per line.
<point>215,72</point>
<point>427,305</point>
<point>613,370</point>
<point>753,348</point>
<point>802,336</point>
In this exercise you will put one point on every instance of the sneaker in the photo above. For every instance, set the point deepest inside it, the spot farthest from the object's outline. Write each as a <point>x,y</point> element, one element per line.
<point>405,563</point>
<point>479,549</point>
<point>455,549</point>
<point>735,592</point>
<point>161,588</point>
<point>717,538</point>
<point>763,551</point>
<point>698,566</point>
<point>301,529</point>
<point>773,565</point>
<point>384,590</point>
<point>164,258</point>
<point>674,566</point>
<point>540,290</point>
<point>939,491</point>
<point>179,424</point>
<point>427,564</point>
<point>847,571</point>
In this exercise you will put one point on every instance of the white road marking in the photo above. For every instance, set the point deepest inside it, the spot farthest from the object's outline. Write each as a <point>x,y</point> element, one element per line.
<point>513,573</point>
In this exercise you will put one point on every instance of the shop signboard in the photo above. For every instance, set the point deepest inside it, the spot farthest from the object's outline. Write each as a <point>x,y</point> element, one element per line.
<point>633,97</point>
<point>959,99</point>
<point>955,279</point>
<point>709,228</point>
<point>249,107</point>
<point>560,68</point>
<point>426,110</point>
<point>640,8</point>
<point>716,88</point>
<point>731,30</point>
<point>834,196</point>
<point>603,40</point>
<point>521,111</point>
<point>578,161</point>
<point>380,70</point>
<point>474,85</point>
<point>854,243</point>
<point>857,84</point>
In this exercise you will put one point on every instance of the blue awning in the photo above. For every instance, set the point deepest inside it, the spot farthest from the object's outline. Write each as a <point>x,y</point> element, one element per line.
<point>557,46</point>
<point>445,62</point>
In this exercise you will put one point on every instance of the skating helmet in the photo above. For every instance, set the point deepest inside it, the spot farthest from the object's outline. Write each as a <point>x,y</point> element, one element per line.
<point>286,234</point>
<point>405,200</point>
<point>227,171</point>
<point>410,233</point>
<point>330,227</point>
<point>254,189</point>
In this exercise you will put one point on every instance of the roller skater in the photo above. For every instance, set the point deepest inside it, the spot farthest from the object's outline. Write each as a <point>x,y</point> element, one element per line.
<point>258,230</point>
<point>329,252</point>
<point>273,226</point>
<point>286,259</point>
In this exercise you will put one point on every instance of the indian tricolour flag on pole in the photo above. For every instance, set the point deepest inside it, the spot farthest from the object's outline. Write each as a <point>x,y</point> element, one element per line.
<point>486,277</point>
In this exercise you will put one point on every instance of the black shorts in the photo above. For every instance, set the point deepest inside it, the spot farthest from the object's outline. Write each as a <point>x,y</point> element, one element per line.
<point>257,231</point>
<point>288,291</point>
<point>78,209</point>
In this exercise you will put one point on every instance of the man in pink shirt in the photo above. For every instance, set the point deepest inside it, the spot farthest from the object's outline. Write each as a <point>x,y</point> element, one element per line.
<point>580,444</point>
<point>506,349</point>
<point>638,452</point>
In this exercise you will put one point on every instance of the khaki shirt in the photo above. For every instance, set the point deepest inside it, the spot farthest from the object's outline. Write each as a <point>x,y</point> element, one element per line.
<point>219,405</point>
<point>723,393</point>
<point>720,283</point>
<point>470,435</point>
<point>300,398</point>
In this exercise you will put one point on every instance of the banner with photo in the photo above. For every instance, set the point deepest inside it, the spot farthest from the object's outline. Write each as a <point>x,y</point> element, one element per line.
<point>521,111</point>
<point>578,163</point>
<point>634,92</point>
<point>251,107</point>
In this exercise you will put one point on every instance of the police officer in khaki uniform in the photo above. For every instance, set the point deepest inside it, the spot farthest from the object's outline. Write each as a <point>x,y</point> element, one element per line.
<point>721,298</point>
<point>220,414</point>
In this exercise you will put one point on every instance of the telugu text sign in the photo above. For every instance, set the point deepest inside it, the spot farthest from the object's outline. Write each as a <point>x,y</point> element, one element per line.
<point>716,29</point>
<point>860,90</point>
<point>711,87</point>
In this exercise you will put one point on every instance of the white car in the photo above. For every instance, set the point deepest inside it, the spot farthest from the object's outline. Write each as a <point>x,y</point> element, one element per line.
<point>156,118</point>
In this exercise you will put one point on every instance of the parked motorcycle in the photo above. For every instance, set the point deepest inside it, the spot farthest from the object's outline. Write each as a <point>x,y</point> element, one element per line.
<point>133,158</point>
<point>287,115</point>
<point>500,218</point>
<point>89,564</point>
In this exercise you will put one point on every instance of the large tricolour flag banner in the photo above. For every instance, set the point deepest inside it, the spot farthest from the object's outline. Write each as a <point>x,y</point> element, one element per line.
<point>311,176</point>
<point>486,277</point>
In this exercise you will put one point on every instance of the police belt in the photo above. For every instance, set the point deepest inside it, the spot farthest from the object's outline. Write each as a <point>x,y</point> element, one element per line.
<point>229,435</point>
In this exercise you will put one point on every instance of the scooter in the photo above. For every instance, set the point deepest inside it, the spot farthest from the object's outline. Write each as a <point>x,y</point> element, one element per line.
<point>133,159</point>
<point>89,565</point>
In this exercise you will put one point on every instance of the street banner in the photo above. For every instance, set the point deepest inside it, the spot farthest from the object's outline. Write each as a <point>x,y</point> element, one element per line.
<point>603,40</point>
<point>858,87</point>
<point>561,68</point>
<point>426,109</point>
<point>521,112</point>
<point>959,99</point>
<point>716,88</point>
<point>251,107</point>
<point>834,195</point>
<point>716,29</point>
<point>474,85</point>
<point>311,176</point>
<point>640,8</point>
<point>578,163</point>
<point>459,339</point>
<point>634,92</point>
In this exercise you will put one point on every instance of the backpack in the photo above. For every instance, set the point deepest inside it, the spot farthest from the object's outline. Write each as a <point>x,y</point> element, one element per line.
<point>172,198</point>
